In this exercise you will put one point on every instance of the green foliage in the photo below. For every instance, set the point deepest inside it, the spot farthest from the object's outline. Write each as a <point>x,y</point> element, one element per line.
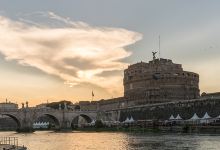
<point>99,124</point>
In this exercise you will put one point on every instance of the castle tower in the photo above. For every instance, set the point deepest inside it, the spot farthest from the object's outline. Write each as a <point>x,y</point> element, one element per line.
<point>160,80</point>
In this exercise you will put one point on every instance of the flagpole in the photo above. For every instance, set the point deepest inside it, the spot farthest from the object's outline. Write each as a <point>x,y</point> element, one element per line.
<point>159,47</point>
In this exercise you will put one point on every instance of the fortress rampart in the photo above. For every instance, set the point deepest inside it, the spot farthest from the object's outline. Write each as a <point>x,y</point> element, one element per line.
<point>163,111</point>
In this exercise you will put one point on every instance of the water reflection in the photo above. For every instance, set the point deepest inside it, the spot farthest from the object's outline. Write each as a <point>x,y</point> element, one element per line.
<point>115,141</point>
<point>174,142</point>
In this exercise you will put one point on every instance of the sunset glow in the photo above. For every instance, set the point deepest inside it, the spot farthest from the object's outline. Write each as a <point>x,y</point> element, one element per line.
<point>48,54</point>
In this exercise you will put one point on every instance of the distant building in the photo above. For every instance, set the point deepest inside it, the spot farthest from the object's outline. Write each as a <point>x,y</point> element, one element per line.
<point>43,105</point>
<point>160,80</point>
<point>8,105</point>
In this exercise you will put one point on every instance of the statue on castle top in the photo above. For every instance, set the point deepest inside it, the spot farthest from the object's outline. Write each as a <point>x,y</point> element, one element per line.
<point>154,55</point>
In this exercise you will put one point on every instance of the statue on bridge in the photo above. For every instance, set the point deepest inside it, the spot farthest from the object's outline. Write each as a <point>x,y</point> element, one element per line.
<point>27,104</point>
<point>22,105</point>
<point>60,107</point>
<point>65,106</point>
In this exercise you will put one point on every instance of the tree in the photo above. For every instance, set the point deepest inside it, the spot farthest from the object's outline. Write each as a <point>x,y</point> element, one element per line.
<point>99,124</point>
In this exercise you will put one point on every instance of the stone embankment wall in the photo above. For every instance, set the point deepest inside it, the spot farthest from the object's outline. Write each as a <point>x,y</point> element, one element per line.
<point>162,111</point>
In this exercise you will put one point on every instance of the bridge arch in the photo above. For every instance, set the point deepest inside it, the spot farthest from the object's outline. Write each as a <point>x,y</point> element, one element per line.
<point>75,120</point>
<point>18,122</point>
<point>56,122</point>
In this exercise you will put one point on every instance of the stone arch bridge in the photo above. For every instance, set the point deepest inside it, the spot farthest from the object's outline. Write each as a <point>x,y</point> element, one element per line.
<point>25,117</point>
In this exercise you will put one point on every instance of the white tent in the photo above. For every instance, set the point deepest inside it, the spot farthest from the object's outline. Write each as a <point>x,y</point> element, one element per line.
<point>131,119</point>
<point>44,125</point>
<point>38,125</point>
<point>206,116</point>
<point>171,117</point>
<point>92,123</point>
<point>194,117</point>
<point>127,120</point>
<point>178,117</point>
<point>218,117</point>
<point>117,122</point>
<point>41,124</point>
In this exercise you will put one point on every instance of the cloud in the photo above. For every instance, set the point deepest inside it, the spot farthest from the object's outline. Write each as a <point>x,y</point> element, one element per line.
<point>76,52</point>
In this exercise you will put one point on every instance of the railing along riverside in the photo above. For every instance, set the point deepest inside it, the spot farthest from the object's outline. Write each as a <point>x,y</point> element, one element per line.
<point>9,141</point>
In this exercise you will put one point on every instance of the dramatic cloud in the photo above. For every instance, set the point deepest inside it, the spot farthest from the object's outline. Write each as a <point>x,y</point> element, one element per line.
<point>76,52</point>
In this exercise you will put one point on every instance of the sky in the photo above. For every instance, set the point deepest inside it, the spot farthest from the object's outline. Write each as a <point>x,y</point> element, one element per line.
<point>53,50</point>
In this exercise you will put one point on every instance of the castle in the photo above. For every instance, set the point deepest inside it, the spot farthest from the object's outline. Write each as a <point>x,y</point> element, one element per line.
<point>158,81</point>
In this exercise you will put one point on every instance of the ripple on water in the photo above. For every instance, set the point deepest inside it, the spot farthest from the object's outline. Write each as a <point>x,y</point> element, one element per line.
<point>45,140</point>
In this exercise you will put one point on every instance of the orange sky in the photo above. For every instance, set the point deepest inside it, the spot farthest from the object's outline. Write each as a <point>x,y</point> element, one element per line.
<point>60,50</point>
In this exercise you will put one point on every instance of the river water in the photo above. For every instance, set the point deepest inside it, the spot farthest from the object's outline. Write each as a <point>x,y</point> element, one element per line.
<point>46,140</point>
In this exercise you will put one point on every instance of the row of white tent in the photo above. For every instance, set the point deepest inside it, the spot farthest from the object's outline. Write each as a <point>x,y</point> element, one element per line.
<point>205,119</point>
<point>127,120</point>
<point>38,125</point>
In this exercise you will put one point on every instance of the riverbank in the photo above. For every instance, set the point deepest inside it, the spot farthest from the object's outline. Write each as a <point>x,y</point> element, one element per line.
<point>137,129</point>
<point>115,129</point>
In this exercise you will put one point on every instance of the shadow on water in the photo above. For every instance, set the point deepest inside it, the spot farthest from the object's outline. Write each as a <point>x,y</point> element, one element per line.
<point>157,141</point>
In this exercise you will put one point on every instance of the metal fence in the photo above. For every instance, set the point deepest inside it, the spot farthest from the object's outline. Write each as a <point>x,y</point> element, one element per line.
<point>13,141</point>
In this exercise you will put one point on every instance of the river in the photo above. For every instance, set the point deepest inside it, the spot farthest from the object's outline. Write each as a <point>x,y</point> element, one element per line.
<point>46,140</point>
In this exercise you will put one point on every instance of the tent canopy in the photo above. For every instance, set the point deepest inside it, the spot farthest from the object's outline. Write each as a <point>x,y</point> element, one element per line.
<point>131,119</point>
<point>206,116</point>
<point>195,117</point>
<point>127,120</point>
<point>171,117</point>
<point>178,117</point>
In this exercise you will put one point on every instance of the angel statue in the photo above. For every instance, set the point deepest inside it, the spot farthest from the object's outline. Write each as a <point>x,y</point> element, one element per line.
<point>154,55</point>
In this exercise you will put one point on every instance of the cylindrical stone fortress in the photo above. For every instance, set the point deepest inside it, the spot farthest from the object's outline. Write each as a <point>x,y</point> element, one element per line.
<point>160,80</point>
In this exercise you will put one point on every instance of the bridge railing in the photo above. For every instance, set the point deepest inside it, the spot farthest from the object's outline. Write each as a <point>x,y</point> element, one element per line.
<point>9,141</point>
<point>8,109</point>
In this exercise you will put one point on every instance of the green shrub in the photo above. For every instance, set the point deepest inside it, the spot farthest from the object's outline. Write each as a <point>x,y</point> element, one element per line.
<point>99,124</point>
